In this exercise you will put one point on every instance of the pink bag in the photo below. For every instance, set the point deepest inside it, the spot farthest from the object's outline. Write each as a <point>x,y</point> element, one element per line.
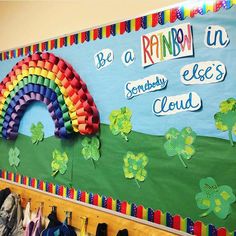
<point>34,227</point>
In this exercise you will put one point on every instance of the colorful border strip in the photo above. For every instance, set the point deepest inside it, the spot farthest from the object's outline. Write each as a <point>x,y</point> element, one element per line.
<point>162,17</point>
<point>156,216</point>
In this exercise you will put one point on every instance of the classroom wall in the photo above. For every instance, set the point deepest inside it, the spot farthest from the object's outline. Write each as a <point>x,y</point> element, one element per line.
<point>27,22</point>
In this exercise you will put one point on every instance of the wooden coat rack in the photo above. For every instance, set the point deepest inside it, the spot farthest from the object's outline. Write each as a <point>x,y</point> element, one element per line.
<point>94,215</point>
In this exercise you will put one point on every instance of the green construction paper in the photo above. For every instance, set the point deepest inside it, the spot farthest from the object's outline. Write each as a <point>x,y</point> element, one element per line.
<point>59,162</point>
<point>14,157</point>
<point>225,120</point>
<point>120,122</point>
<point>180,143</point>
<point>37,133</point>
<point>134,166</point>
<point>215,199</point>
<point>169,187</point>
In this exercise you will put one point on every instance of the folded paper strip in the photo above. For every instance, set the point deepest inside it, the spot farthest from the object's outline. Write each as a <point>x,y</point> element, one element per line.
<point>49,79</point>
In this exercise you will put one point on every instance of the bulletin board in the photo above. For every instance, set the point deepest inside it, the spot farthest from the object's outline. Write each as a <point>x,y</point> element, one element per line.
<point>138,117</point>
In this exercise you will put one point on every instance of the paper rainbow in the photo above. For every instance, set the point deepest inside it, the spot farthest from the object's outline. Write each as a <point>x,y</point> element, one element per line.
<point>49,79</point>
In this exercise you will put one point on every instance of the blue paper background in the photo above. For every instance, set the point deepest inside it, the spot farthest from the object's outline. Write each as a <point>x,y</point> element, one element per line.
<point>107,85</point>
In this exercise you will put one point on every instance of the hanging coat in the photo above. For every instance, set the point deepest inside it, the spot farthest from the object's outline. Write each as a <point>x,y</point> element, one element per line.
<point>3,195</point>
<point>11,217</point>
<point>34,227</point>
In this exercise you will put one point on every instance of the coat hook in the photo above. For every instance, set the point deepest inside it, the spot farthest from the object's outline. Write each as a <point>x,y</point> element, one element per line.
<point>84,223</point>
<point>25,199</point>
<point>85,219</point>
<point>54,208</point>
<point>41,203</point>
<point>68,216</point>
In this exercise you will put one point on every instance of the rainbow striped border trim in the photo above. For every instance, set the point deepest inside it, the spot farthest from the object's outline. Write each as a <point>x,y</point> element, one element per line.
<point>151,20</point>
<point>156,216</point>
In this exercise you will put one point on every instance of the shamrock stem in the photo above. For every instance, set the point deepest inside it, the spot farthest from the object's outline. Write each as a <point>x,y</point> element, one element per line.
<point>93,163</point>
<point>15,168</point>
<point>54,173</point>
<point>206,213</point>
<point>124,136</point>
<point>182,161</point>
<point>137,183</point>
<point>231,138</point>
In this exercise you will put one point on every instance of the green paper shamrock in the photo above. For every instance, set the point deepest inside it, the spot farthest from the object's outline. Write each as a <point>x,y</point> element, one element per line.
<point>120,122</point>
<point>90,149</point>
<point>134,167</point>
<point>214,198</point>
<point>14,157</point>
<point>37,133</point>
<point>59,162</point>
<point>225,120</point>
<point>180,143</point>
